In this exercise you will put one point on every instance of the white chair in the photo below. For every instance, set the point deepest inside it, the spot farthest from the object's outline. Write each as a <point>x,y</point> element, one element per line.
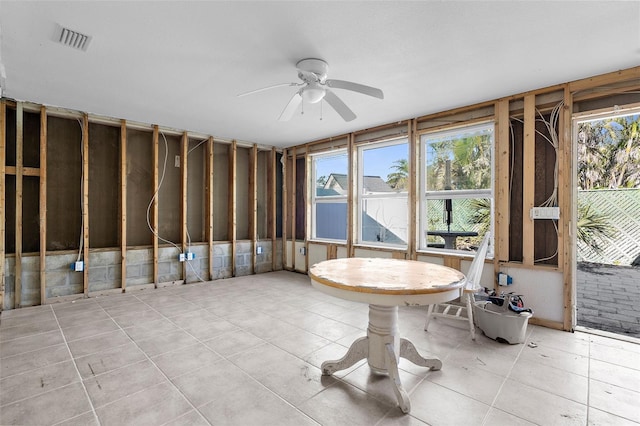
<point>463,311</point>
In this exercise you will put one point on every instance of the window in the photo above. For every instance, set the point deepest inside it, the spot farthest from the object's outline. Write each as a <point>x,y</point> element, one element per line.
<point>383,181</point>
<point>329,201</point>
<point>456,208</point>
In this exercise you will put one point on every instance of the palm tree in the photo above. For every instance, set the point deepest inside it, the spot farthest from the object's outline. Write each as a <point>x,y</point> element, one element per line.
<point>594,229</point>
<point>609,153</point>
<point>399,179</point>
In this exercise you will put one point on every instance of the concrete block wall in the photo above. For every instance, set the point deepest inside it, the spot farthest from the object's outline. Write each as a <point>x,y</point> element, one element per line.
<point>243,258</point>
<point>139,267</point>
<point>263,261</point>
<point>61,280</point>
<point>30,281</point>
<point>198,269</point>
<point>169,267</point>
<point>9,282</point>
<point>105,270</point>
<point>222,261</point>
<point>278,254</point>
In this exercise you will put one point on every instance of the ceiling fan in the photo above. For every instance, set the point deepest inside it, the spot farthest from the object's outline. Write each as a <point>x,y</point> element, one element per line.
<point>315,87</point>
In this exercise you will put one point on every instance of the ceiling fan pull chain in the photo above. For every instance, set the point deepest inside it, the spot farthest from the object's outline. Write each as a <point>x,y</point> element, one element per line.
<point>321,110</point>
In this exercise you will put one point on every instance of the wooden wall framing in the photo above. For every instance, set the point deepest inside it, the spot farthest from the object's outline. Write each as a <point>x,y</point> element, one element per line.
<point>538,244</point>
<point>3,162</point>
<point>17,177</point>
<point>41,137</point>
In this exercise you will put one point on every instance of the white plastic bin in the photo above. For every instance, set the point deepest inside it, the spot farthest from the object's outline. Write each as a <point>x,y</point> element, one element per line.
<point>498,323</point>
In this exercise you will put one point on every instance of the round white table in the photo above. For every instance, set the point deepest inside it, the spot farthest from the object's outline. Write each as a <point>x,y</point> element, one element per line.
<point>385,284</point>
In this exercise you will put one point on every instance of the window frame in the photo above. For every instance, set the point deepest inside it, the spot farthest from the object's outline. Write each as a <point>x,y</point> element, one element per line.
<point>330,199</point>
<point>361,196</point>
<point>425,195</point>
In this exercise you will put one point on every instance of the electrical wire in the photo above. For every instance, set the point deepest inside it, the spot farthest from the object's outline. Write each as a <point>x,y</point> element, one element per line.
<point>200,143</point>
<point>553,140</point>
<point>155,195</point>
<point>555,225</point>
<point>81,192</point>
<point>187,227</point>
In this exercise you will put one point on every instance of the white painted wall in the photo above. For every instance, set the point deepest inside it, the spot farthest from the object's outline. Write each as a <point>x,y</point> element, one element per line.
<point>541,290</point>
<point>300,258</point>
<point>317,253</point>
<point>431,259</point>
<point>362,252</point>
<point>289,263</point>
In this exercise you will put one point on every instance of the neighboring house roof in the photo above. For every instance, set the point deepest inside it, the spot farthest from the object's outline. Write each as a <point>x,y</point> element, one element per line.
<point>371,183</point>
<point>337,180</point>
<point>621,207</point>
<point>326,192</point>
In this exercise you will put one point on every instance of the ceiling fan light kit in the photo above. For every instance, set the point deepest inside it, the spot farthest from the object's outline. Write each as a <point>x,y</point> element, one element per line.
<point>315,87</point>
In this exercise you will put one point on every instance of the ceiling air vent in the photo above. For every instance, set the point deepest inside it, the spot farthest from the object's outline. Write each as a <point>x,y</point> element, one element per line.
<point>72,38</point>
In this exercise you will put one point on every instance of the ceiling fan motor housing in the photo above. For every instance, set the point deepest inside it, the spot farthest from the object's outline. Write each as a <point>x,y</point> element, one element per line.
<point>315,66</point>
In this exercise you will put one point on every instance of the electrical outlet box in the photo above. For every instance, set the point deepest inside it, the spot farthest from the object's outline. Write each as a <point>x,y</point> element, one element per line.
<point>182,257</point>
<point>177,161</point>
<point>77,266</point>
<point>258,250</point>
<point>545,213</point>
<point>504,279</point>
<point>191,256</point>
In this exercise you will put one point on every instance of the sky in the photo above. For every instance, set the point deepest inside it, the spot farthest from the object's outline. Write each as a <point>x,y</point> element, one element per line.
<point>377,162</point>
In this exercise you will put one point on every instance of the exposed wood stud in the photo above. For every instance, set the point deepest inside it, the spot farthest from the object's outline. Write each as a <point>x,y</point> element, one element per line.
<point>332,251</point>
<point>453,112</point>
<point>85,202</point>
<point>310,183</point>
<point>26,171</point>
<point>123,205</point>
<point>184,147</point>
<point>604,79</point>
<point>271,215</point>
<point>528,179</point>
<point>285,209</point>
<point>352,197</point>
<point>154,207</point>
<point>30,171</point>
<point>3,162</point>
<point>18,223</point>
<point>253,205</point>
<point>210,204</point>
<point>566,246</point>
<point>233,153</point>
<point>413,140</point>
<point>502,185</point>
<point>452,262</point>
<point>43,205</point>
<point>294,199</point>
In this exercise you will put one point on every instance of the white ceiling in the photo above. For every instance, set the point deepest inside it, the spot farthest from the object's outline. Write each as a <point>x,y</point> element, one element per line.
<point>181,64</point>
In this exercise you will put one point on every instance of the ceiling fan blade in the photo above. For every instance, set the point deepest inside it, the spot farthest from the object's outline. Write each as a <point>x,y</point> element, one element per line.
<point>339,106</point>
<point>267,88</point>
<point>291,107</point>
<point>355,87</point>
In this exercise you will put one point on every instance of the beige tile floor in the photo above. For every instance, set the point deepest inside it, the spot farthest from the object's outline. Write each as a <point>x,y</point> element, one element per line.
<point>247,351</point>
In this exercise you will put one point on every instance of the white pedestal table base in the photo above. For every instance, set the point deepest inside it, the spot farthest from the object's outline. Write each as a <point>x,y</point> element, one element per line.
<point>382,347</point>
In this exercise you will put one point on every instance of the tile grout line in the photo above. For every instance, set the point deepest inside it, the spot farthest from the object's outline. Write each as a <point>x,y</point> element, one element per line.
<point>93,409</point>
<point>504,381</point>
<point>154,364</point>
<point>223,357</point>
<point>421,381</point>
